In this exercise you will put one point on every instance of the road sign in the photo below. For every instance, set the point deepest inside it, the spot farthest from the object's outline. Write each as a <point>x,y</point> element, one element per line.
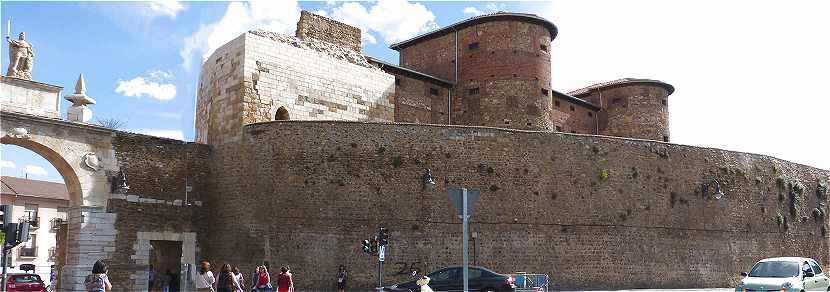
<point>382,253</point>
<point>456,197</point>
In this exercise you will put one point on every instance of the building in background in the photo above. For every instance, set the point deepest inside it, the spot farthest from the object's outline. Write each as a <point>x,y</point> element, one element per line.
<point>44,204</point>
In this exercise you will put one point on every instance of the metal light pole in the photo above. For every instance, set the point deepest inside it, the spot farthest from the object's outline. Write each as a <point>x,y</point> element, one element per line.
<point>465,220</point>
<point>463,200</point>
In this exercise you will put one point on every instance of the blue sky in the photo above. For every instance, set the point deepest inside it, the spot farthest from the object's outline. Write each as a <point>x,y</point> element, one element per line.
<point>748,74</point>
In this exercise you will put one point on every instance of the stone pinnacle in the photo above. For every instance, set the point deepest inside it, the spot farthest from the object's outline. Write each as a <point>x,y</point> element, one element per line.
<point>80,86</point>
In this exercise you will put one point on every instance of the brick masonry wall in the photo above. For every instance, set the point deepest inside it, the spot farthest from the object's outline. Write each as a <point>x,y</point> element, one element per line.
<point>415,104</point>
<point>313,87</point>
<point>305,193</point>
<point>634,110</point>
<point>500,78</point>
<point>573,118</point>
<point>325,29</point>
<point>156,169</point>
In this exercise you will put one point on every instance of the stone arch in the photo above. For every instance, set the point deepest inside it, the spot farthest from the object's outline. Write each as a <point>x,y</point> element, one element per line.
<point>282,114</point>
<point>70,178</point>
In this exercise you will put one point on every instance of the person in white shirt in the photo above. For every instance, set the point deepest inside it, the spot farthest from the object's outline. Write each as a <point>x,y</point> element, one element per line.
<point>205,280</point>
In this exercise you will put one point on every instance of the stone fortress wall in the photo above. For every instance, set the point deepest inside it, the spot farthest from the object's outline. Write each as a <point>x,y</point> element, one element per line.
<point>598,212</point>
<point>305,192</point>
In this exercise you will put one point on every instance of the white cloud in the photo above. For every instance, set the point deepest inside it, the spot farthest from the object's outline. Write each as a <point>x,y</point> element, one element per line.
<point>167,8</point>
<point>154,84</point>
<point>239,17</point>
<point>489,8</point>
<point>139,86</point>
<point>160,75</point>
<point>393,20</point>
<point>473,11</point>
<point>172,134</point>
<point>744,82</point>
<point>35,170</point>
<point>7,164</point>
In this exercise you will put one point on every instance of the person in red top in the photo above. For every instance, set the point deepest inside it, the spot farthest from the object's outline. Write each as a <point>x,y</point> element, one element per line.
<point>263,280</point>
<point>285,282</point>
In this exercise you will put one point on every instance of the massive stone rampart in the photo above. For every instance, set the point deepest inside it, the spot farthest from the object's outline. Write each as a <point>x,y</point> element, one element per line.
<point>590,211</point>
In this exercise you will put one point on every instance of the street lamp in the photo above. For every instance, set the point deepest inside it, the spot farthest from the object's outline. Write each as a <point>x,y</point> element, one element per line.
<point>428,180</point>
<point>718,194</point>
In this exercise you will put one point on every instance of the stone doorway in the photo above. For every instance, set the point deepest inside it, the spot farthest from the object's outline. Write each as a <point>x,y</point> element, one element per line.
<point>165,265</point>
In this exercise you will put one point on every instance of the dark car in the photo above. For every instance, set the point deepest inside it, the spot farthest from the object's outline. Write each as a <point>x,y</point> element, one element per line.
<point>24,282</point>
<point>452,279</point>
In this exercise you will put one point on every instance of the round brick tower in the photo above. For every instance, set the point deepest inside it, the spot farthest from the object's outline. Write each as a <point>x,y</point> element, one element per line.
<point>633,108</point>
<point>502,71</point>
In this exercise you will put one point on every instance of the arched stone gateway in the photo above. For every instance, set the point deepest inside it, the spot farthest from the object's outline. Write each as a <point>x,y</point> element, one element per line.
<point>114,180</point>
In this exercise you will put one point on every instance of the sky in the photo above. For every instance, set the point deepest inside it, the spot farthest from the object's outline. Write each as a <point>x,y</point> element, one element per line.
<point>748,74</point>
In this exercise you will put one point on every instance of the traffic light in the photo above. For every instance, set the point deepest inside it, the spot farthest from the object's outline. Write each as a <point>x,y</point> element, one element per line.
<point>5,215</point>
<point>374,244</point>
<point>384,236</point>
<point>23,232</point>
<point>11,234</point>
<point>367,248</point>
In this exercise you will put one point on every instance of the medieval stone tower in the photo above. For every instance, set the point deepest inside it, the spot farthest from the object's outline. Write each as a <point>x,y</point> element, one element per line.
<point>491,70</point>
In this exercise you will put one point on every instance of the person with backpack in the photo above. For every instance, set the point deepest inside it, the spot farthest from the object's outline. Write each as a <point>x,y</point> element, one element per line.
<point>205,280</point>
<point>239,279</point>
<point>98,280</point>
<point>285,282</point>
<point>226,281</point>
<point>263,283</point>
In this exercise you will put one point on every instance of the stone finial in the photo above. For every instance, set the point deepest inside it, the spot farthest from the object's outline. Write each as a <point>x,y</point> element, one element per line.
<point>79,98</point>
<point>80,86</point>
<point>79,112</point>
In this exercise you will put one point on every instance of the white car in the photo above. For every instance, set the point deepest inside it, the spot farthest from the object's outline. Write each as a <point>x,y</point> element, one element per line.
<point>785,274</point>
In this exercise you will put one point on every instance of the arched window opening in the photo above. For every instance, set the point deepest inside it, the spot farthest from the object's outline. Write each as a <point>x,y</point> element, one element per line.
<point>282,114</point>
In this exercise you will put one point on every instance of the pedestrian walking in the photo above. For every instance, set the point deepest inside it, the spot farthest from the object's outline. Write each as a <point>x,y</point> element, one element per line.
<point>342,276</point>
<point>254,279</point>
<point>166,279</point>
<point>226,281</point>
<point>263,283</point>
<point>98,280</point>
<point>239,279</point>
<point>205,280</point>
<point>285,282</point>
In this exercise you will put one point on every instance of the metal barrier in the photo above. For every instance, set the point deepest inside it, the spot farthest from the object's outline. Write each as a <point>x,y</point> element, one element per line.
<point>526,282</point>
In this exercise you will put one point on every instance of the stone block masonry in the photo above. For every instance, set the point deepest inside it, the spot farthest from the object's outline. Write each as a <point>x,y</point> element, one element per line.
<point>312,26</point>
<point>306,192</point>
<point>254,76</point>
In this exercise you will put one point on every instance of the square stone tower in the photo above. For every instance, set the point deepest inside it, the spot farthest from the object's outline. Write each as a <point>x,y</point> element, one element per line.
<point>261,76</point>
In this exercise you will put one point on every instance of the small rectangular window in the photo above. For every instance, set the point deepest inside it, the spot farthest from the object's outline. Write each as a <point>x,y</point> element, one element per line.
<point>616,100</point>
<point>473,46</point>
<point>572,108</point>
<point>473,91</point>
<point>397,81</point>
<point>665,138</point>
<point>559,128</point>
<point>433,91</point>
<point>556,103</point>
<point>664,102</point>
<point>544,92</point>
<point>590,114</point>
<point>543,47</point>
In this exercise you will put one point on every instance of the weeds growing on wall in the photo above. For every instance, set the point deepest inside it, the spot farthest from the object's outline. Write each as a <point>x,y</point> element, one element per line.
<point>603,175</point>
<point>397,161</point>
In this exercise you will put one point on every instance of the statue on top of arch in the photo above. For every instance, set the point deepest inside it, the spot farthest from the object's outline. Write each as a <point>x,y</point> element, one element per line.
<point>21,57</point>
